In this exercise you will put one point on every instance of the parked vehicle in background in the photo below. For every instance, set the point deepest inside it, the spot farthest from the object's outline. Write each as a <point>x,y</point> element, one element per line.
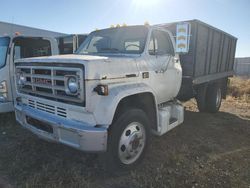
<point>13,48</point>
<point>68,44</point>
<point>121,85</point>
<point>16,47</point>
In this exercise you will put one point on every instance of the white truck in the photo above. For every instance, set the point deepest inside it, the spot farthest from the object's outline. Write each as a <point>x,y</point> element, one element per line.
<point>23,46</point>
<point>118,88</point>
<point>13,48</point>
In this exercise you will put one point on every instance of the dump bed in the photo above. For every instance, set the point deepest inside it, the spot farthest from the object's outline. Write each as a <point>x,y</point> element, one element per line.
<point>210,57</point>
<point>211,52</point>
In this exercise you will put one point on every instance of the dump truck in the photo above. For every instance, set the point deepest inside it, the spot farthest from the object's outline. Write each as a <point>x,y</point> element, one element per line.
<point>122,86</point>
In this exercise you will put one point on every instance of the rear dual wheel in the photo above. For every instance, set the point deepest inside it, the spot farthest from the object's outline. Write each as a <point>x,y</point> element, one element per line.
<point>209,98</point>
<point>213,98</point>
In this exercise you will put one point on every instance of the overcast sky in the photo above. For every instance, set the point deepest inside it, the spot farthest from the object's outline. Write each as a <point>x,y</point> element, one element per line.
<point>79,16</point>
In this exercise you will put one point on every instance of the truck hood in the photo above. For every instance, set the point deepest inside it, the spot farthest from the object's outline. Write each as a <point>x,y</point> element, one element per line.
<point>96,67</point>
<point>63,58</point>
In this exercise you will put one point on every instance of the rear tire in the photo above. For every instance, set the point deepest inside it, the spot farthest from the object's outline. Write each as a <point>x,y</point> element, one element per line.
<point>128,140</point>
<point>201,98</point>
<point>209,98</point>
<point>213,98</point>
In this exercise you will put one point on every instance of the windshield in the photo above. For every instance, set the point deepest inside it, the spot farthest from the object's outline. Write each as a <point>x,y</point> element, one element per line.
<point>125,40</point>
<point>4,44</point>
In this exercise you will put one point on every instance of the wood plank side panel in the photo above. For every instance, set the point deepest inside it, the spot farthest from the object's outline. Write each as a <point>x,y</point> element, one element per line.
<point>201,52</point>
<point>215,53</point>
<point>220,56</point>
<point>224,55</point>
<point>233,54</point>
<point>209,50</point>
<point>229,54</point>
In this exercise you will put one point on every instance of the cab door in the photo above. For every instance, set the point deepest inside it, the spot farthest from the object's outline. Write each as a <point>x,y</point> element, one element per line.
<point>161,62</point>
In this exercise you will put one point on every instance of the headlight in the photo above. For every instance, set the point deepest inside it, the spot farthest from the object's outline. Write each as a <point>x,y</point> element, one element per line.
<point>3,87</point>
<point>3,97</point>
<point>21,79</point>
<point>3,91</point>
<point>72,85</point>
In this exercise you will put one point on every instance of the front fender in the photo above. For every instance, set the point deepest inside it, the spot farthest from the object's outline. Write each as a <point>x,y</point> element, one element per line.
<point>105,108</point>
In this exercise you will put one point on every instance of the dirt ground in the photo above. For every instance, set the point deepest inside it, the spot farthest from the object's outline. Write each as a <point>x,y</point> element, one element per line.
<point>207,150</point>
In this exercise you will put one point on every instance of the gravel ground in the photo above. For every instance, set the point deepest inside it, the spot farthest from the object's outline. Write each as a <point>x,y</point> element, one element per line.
<point>207,150</point>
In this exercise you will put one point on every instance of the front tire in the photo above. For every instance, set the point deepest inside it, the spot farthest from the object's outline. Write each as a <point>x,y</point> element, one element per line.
<point>128,140</point>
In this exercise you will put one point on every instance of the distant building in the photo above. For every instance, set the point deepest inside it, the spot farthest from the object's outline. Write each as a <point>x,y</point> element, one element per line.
<point>242,66</point>
<point>11,29</point>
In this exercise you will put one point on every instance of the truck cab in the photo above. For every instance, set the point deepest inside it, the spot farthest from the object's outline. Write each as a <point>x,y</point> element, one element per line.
<point>117,89</point>
<point>13,48</point>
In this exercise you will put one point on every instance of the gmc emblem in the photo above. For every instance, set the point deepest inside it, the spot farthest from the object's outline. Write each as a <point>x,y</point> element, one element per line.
<point>42,81</point>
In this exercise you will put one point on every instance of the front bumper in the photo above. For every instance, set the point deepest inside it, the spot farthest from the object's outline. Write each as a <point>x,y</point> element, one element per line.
<point>6,107</point>
<point>69,132</point>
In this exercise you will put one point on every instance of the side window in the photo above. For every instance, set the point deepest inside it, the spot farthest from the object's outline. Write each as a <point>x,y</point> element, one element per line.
<point>132,45</point>
<point>160,44</point>
<point>17,54</point>
<point>31,47</point>
<point>65,45</point>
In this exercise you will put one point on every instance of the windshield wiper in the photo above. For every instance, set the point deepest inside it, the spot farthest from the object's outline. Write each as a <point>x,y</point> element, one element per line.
<point>111,49</point>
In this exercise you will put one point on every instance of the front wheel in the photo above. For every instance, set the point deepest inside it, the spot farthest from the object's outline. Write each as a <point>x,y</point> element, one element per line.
<point>128,139</point>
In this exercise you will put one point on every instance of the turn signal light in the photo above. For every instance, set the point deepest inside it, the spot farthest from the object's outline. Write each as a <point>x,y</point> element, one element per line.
<point>17,33</point>
<point>102,90</point>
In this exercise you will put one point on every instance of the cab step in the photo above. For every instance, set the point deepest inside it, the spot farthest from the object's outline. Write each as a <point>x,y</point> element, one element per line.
<point>170,115</point>
<point>172,120</point>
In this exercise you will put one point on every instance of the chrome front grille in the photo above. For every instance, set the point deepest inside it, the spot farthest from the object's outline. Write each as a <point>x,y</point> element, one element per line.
<point>50,82</point>
<point>62,112</point>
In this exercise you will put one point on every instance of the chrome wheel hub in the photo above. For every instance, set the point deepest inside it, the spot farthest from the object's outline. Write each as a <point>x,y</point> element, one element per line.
<point>132,142</point>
